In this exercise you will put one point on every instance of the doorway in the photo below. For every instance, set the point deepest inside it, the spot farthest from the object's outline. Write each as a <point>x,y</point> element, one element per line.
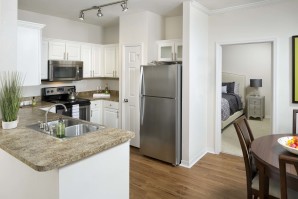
<point>132,60</point>
<point>219,69</point>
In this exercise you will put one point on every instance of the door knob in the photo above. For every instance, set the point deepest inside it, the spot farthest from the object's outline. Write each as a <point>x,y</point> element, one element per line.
<point>125,100</point>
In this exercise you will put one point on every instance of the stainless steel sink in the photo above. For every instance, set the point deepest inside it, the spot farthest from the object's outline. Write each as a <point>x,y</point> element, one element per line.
<point>73,128</point>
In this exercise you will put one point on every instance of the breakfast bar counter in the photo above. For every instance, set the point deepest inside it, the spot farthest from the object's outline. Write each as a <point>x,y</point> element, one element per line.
<point>61,168</point>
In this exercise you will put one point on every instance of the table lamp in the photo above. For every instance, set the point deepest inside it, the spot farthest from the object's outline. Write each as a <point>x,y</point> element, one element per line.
<point>256,83</point>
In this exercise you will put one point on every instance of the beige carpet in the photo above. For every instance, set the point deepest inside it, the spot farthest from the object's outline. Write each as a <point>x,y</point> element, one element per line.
<point>229,140</point>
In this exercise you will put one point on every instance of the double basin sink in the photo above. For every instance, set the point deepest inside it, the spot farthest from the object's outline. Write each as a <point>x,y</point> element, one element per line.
<point>73,128</point>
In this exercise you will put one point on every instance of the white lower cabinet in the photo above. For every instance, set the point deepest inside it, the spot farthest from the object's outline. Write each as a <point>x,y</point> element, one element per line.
<point>96,112</point>
<point>111,114</point>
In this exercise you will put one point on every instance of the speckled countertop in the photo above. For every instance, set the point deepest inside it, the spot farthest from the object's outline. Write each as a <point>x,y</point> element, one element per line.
<point>43,152</point>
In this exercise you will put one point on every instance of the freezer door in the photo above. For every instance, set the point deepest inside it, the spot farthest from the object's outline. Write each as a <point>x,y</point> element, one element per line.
<point>160,80</point>
<point>160,129</point>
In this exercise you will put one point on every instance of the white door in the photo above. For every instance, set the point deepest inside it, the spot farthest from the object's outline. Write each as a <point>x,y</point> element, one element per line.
<point>96,61</point>
<point>73,51</point>
<point>111,117</point>
<point>131,77</point>
<point>57,50</point>
<point>86,57</point>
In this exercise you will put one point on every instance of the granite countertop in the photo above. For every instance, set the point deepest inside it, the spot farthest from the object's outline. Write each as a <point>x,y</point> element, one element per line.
<point>43,152</point>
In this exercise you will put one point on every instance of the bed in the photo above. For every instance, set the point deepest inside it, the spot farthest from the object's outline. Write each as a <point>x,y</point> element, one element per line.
<point>239,95</point>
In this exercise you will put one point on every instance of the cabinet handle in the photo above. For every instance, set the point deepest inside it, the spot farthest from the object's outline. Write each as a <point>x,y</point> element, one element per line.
<point>93,73</point>
<point>176,56</point>
<point>91,113</point>
<point>67,56</point>
<point>115,73</point>
<point>117,114</point>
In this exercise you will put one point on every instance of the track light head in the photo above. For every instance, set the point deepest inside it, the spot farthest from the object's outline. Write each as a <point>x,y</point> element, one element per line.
<point>124,6</point>
<point>99,13</point>
<point>81,16</point>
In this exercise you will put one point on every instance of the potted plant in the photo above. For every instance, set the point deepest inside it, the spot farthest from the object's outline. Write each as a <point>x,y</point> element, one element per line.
<point>10,96</point>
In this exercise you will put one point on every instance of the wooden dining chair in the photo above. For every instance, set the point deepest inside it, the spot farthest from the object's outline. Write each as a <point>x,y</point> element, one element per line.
<point>285,159</point>
<point>246,137</point>
<point>295,112</point>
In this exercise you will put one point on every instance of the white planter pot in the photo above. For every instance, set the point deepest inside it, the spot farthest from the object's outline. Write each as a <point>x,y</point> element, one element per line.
<point>10,125</point>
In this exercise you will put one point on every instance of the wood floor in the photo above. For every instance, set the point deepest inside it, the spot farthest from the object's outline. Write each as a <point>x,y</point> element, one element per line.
<point>214,176</point>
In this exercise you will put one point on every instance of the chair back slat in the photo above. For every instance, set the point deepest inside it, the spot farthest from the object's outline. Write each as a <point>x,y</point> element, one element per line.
<point>285,159</point>
<point>246,137</point>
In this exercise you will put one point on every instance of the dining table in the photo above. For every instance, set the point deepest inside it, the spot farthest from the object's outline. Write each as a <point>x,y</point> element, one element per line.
<point>266,151</point>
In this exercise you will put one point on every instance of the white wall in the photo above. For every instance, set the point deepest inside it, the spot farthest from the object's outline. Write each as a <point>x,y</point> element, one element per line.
<point>194,85</point>
<point>143,27</point>
<point>60,28</point>
<point>173,27</point>
<point>277,20</point>
<point>8,34</point>
<point>255,62</point>
<point>111,34</point>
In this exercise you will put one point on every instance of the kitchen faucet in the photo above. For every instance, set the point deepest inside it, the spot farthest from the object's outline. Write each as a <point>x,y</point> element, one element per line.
<point>46,127</point>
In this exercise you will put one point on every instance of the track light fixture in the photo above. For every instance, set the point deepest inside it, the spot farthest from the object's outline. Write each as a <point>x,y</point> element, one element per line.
<point>99,13</point>
<point>81,15</point>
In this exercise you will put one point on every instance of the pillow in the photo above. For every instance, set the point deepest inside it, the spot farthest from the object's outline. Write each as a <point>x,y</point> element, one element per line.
<point>230,86</point>
<point>236,89</point>
<point>224,89</point>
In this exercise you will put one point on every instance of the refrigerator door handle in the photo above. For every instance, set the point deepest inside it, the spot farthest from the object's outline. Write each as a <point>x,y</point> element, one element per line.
<point>142,106</point>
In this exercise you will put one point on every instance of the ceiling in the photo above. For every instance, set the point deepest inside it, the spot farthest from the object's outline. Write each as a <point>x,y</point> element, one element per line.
<point>70,9</point>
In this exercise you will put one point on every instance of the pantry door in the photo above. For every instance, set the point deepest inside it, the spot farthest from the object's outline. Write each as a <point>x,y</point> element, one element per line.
<point>130,97</point>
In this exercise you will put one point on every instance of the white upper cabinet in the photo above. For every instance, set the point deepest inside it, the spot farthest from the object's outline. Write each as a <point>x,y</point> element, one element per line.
<point>91,56</point>
<point>169,50</point>
<point>29,52</point>
<point>110,60</point>
<point>44,59</point>
<point>62,50</point>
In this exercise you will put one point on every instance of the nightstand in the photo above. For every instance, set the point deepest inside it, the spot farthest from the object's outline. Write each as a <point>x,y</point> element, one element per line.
<point>256,107</point>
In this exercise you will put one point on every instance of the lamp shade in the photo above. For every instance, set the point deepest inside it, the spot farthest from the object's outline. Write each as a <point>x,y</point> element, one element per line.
<point>256,83</point>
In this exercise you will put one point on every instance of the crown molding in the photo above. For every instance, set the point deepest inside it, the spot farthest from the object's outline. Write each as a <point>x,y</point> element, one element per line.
<point>233,8</point>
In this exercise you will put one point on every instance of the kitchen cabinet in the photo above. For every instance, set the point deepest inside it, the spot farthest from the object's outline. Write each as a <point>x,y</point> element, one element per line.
<point>29,52</point>
<point>96,112</point>
<point>111,114</point>
<point>169,50</point>
<point>110,60</point>
<point>44,59</point>
<point>64,50</point>
<point>91,56</point>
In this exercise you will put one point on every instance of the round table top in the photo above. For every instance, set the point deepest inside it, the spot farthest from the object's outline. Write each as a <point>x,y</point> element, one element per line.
<point>267,150</point>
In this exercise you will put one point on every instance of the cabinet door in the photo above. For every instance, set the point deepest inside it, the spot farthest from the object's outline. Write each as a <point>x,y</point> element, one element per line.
<point>178,51</point>
<point>110,60</point>
<point>96,112</point>
<point>97,61</point>
<point>57,50</point>
<point>86,57</point>
<point>44,59</point>
<point>73,51</point>
<point>28,54</point>
<point>166,51</point>
<point>110,117</point>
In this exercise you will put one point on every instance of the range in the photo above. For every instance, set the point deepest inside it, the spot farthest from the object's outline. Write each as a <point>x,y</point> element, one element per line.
<point>76,107</point>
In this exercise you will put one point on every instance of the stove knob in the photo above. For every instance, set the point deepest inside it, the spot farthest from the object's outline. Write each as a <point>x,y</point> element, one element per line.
<point>48,91</point>
<point>52,91</point>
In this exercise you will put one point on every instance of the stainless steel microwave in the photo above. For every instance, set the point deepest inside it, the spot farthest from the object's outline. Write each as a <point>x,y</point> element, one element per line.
<point>65,70</point>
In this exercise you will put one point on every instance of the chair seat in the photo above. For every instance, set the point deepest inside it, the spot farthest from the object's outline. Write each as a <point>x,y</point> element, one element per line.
<point>274,188</point>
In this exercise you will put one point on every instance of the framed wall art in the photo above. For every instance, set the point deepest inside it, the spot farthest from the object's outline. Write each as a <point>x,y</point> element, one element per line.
<point>295,68</point>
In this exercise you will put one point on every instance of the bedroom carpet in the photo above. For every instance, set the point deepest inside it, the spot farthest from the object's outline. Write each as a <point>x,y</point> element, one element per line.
<point>229,140</point>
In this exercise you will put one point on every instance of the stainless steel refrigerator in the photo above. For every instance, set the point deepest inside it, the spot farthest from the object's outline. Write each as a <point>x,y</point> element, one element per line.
<point>160,112</point>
